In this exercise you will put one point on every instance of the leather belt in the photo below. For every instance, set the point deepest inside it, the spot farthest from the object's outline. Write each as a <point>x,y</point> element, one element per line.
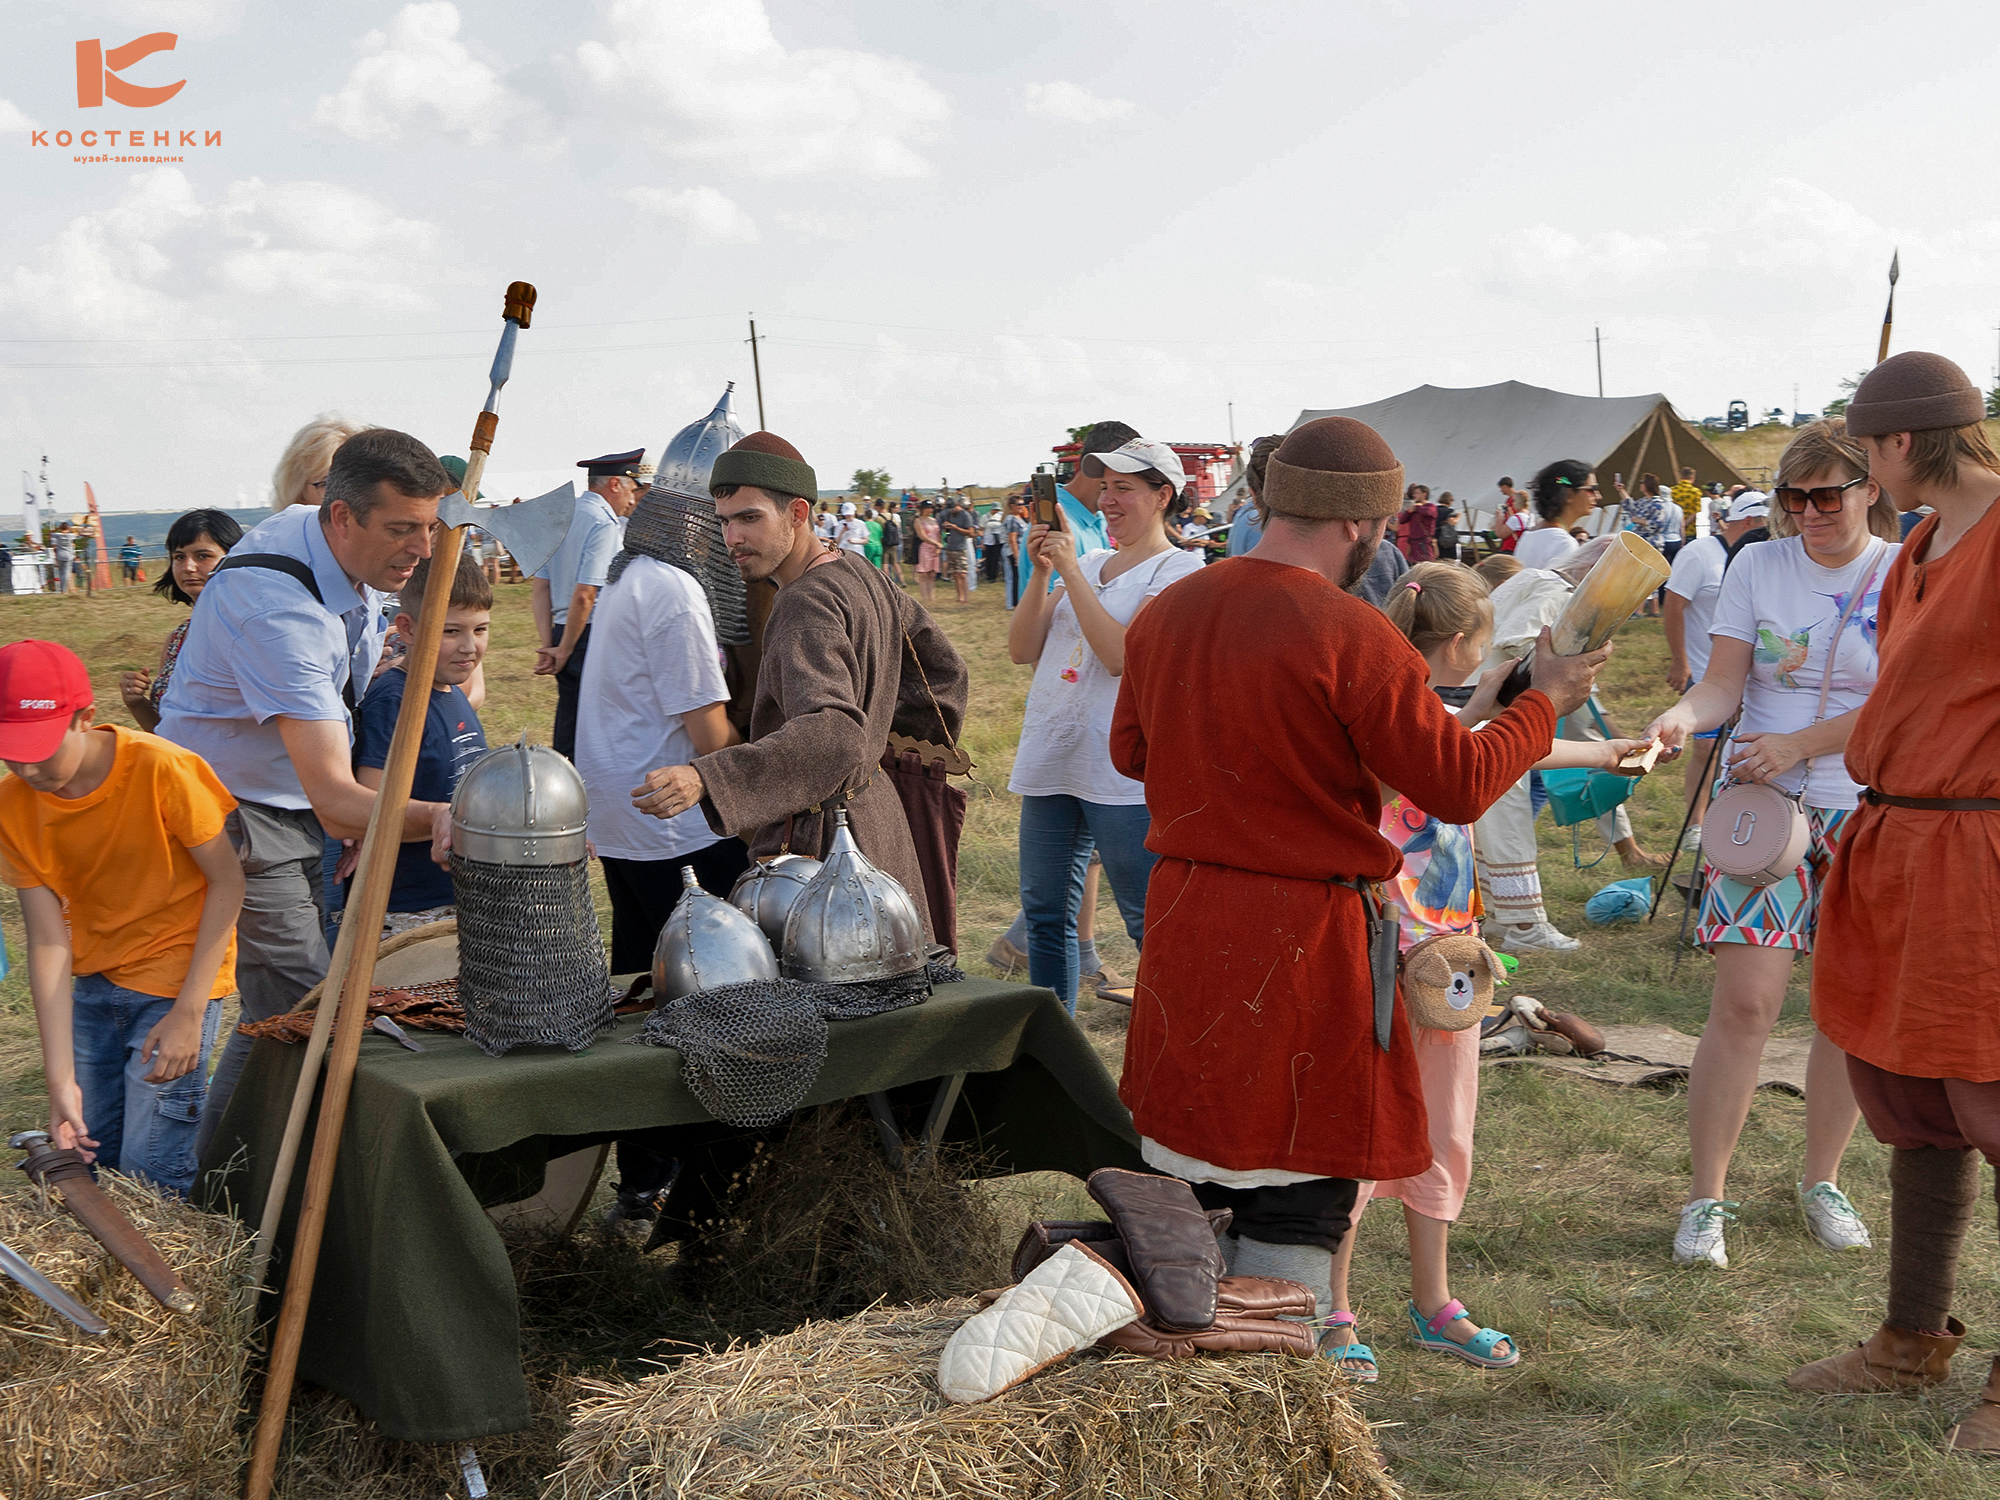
<point>1933,804</point>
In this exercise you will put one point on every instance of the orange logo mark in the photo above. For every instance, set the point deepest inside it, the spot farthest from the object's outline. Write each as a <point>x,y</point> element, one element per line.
<point>97,73</point>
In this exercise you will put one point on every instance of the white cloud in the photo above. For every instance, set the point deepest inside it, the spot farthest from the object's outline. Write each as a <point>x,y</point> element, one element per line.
<point>417,78</point>
<point>320,242</point>
<point>716,85</point>
<point>149,264</point>
<point>1073,104</point>
<point>103,273</point>
<point>705,213</point>
<point>11,117</point>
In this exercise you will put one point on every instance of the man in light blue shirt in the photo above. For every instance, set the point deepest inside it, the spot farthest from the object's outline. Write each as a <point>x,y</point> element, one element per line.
<point>1245,527</point>
<point>564,592</point>
<point>284,643</point>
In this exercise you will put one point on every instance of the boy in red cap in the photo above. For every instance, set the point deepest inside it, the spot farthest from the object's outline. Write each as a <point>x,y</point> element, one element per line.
<point>130,891</point>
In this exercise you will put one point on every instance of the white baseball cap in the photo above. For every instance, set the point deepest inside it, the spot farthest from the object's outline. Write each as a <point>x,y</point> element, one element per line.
<point>1142,453</point>
<point>847,508</point>
<point>1748,506</point>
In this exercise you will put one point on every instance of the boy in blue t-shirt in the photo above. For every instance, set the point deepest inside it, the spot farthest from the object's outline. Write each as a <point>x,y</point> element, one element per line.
<point>453,738</point>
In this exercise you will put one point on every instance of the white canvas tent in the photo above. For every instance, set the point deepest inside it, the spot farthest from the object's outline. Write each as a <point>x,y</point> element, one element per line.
<point>1464,440</point>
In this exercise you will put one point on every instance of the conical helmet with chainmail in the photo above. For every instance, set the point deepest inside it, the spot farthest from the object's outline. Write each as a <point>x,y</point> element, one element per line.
<point>531,966</point>
<point>674,521</point>
<point>707,943</point>
<point>853,923</point>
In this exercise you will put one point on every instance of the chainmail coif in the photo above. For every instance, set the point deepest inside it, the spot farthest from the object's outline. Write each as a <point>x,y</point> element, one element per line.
<point>685,532</point>
<point>752,1052</point>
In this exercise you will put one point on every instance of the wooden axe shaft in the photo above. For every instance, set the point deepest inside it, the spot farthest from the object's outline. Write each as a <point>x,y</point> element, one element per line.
<point>362,930</point>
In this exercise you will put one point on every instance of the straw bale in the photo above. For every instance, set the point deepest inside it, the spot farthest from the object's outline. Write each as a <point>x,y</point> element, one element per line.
<point>850,1409</point>
<point>148,1409</point>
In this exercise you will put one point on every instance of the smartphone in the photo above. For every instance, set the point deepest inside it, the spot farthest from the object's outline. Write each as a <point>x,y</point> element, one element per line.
<point>1047,507</point>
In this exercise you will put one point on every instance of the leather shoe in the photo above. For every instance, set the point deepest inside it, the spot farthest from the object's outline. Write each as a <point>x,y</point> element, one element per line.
<point>1005,957</point>
<point>1894,1359</point>
<point>1978,1431</point>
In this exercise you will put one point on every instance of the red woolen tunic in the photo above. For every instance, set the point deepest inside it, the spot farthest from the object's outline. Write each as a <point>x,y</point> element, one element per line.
<point>1260,705</point>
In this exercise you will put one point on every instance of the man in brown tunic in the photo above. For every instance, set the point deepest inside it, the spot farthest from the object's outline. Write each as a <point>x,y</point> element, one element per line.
<point>848,657</point>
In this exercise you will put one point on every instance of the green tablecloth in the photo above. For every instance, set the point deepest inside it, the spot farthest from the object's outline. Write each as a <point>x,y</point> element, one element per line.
<point>414,1317</point>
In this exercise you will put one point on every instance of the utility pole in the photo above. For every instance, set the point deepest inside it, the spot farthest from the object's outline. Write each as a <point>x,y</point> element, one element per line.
<point>1597,335</point>
<point>757,370</point>
<point>1232,424</point>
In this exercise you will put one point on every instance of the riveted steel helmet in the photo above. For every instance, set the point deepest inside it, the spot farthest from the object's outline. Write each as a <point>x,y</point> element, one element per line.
<point>765,892</point>
<point>707,943</point>
<point>853,923</point>
<point>521,804</point>
<point>531,967</point>
<point>675,522</point>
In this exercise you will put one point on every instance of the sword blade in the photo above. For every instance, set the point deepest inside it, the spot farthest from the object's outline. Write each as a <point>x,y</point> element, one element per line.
<point>16,1266</point>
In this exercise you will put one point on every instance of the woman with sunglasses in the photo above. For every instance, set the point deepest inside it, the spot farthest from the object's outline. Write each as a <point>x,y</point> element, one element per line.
<point>1833,532</point>
<point>1565,492</point>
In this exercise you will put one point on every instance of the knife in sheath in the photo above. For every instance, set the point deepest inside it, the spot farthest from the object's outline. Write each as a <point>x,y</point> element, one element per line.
<point>49,1166</point>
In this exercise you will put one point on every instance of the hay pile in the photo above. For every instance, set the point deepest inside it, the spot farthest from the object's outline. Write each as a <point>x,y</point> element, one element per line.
<point>820,1225</point>
<point>149,1408</point>
<point>846,1410</point>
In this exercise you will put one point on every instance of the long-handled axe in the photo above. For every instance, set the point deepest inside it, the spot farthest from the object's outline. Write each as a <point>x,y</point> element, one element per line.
<point>531,532</point>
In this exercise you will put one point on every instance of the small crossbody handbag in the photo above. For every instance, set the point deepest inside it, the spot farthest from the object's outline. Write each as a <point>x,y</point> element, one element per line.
<point>1758,833</point>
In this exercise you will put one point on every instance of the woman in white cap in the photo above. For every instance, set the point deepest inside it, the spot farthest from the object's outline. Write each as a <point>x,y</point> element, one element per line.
<point>851,532</point>
<point>1074,636</point>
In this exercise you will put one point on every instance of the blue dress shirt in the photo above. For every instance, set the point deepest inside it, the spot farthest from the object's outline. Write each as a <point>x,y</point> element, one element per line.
<point>585,555</point>
<point>258,648</point>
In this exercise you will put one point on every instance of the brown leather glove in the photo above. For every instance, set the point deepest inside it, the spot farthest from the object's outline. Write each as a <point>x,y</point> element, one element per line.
<point>1254,1314</point>
<point>1169,1242</point>
<point>1044,1237</point>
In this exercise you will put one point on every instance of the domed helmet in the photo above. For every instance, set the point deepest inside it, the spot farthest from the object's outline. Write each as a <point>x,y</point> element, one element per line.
<point>765,892</point>
<point>853,923</point>
<point>706,944</point>
<point>532,970</point>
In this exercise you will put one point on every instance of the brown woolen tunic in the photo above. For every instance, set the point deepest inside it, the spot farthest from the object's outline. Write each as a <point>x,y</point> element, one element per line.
<point>836,679</point>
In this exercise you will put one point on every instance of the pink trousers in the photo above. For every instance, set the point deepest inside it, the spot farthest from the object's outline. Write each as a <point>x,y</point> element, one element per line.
<point>1448,1063</point>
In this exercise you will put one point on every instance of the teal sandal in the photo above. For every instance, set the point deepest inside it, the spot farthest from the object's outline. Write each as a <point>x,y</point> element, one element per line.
<point>1355,1360</point>
<point>1478,1350</point>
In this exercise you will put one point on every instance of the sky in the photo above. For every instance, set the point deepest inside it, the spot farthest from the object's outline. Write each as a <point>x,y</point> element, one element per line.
<point>962,228</point>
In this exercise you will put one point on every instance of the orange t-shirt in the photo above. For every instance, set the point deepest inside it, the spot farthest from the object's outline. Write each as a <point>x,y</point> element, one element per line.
<point>118,857</point>
<point>1909,935</point>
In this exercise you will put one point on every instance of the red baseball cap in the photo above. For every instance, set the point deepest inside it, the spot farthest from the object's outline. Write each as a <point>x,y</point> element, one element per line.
<point>41,686</point>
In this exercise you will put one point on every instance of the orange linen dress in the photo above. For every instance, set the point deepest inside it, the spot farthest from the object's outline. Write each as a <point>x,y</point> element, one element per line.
<point>1909,925</point>
<point>1261,706</point>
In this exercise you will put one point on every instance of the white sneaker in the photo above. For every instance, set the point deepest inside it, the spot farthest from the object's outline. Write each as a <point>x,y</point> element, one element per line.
<point>1540,938</point>
<point>1832,1218</point>
<point>1699,1237</point>
<point>1691,840</point>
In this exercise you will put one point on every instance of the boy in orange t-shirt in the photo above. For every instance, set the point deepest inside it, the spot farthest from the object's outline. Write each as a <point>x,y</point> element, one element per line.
<point>130,891</point>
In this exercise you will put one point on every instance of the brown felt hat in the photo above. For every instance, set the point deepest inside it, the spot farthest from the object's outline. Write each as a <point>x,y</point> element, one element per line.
<point>768,462</point>
<point>1334,469</point>
<point>1913,392</point>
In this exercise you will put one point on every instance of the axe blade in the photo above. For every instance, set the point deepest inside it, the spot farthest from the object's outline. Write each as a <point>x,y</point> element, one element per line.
<point>530,531</point>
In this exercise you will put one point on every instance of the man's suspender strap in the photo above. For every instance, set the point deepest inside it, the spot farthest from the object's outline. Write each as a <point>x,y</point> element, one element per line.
<point>277,562</point>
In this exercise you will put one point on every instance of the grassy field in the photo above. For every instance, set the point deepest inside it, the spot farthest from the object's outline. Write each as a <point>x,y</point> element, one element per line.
<point>1640,1379</point>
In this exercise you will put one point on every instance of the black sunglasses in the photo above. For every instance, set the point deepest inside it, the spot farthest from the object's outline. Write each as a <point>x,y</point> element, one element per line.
<point>1826,498</point>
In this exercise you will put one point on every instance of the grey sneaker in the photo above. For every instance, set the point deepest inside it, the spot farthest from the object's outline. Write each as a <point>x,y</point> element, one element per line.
<point>1832,1218</point>
<point>1698,1240</point>
<point>1541,938</point>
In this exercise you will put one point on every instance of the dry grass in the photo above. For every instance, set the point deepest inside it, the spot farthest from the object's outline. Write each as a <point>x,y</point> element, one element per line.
<point>1639,1381</point>
<point>822,1227</point>
<point>149,1408</point>
<point>850,1411</point>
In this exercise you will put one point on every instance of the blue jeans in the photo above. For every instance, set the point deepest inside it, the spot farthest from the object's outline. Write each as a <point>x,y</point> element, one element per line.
<point>1057,834</point>
<point>143,1129</point>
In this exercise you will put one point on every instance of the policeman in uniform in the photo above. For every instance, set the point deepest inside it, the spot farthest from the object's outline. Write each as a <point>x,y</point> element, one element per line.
<point>565,589</point>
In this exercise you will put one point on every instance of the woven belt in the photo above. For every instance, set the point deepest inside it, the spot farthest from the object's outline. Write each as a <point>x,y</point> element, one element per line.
<point>1933,804</point>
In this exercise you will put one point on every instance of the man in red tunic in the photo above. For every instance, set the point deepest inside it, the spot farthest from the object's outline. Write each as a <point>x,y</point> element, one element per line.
<point>1252,1068</point>
<point>1909,938</point>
